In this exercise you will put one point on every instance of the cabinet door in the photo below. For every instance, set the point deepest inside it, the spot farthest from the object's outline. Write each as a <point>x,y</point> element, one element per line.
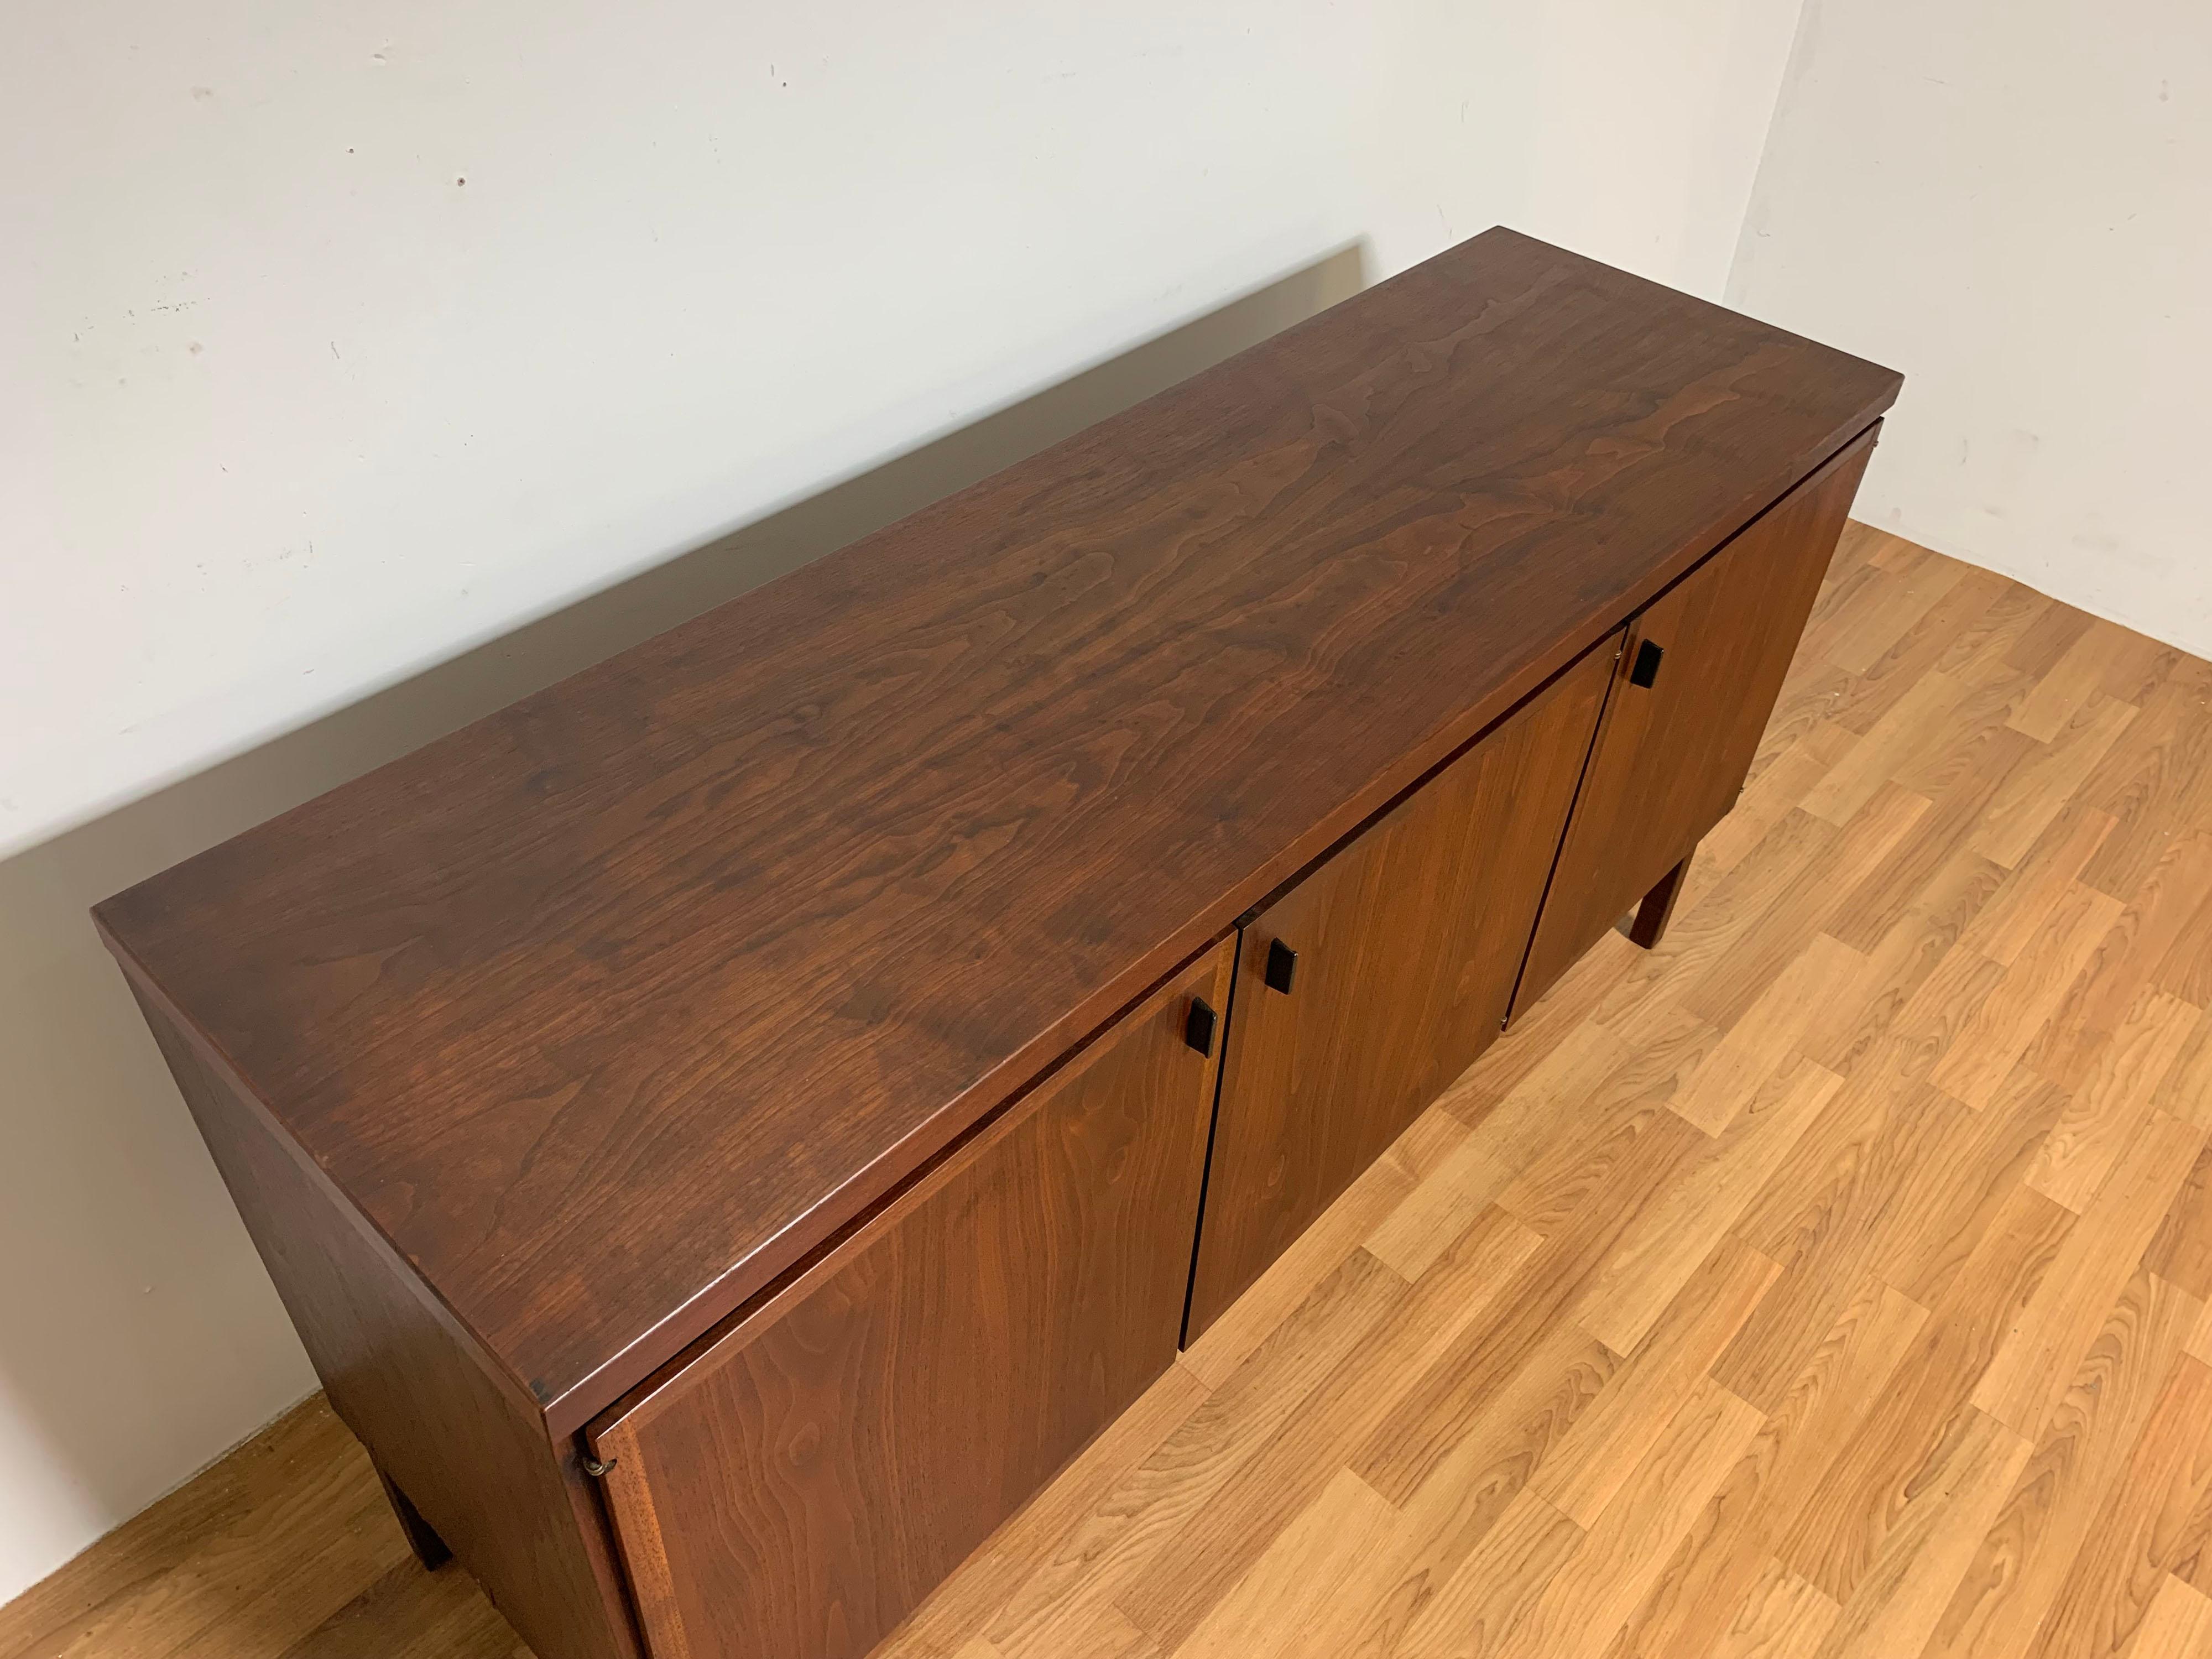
<point>1375,982</point>
<point>1703,665</point>
<point>805,1482</point>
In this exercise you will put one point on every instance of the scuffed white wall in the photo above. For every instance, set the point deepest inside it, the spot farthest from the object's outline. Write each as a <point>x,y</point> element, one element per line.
<point>2012,202</point>
<point>336,341</point>
<point>340,337</point>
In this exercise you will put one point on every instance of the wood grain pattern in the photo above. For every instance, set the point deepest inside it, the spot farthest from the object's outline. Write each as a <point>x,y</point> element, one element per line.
<point>1672,754</point>
<point>761,916</point>
<point>2178,1625</point>
<point>1225,1534</point>
<point>1443,1374</point>
<point>1686,1609</point>
<point>2181,1251</point>
<point>2030,1546</point>
<point>1929,1543</point>
<point>2053,1329</point>
<point>1774,1030</point>
<point>1782,1617</point>
<point>1660,1373</point>
<point>1407,941</point>
<point>1623,1550</point>
<point>2155,1521</point>
<point>803,1483</point>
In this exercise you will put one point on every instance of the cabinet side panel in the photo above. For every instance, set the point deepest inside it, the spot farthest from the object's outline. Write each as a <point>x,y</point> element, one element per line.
<point>804,1484</point>
<point>1673,754</point>
<point>520,1516</point>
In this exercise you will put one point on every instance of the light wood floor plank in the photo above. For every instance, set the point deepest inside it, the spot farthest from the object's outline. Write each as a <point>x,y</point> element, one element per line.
<point>1868,695</point>
<point>2126,962</point>
<point>1775,792</point>
<point>1994,636</point>
<point>1470,1492</point>
<point>1710,921</point>
<point>2008,1020</point>
<point>2052,1332</point>
<point>2135,665</point>
<point>1739,976</point>
<point>2023,1558</point>
<point>2186,1091</point>
<point>1657,1256</point>
<point>1272,1609</point>
<point>2176,1626</point>
<point>2154,1519</point>
<point>1212,1549</point>
<point>1583,1474</point>
<point>1898,1182</point>
<point>1782,1617</point>
<point>1841,1533</point>
<point>1684,1612</point>
<point>1605,1129</point>
<point>1929,1543</point>
<point>1891,743</point>
<point>1418,1428</point>
<point>2023,904</point>
<point>1497,1587</point>
<point>1599,1580</point>
<point>2109,1112</point>
<point>1872,628</point>
<point>1897,960</point>
<point>1453,1195</point>
<point>2061,691</point>
<point>2154,780</point>
<point>1771,1029</point>
<point>2039,647</point>
<point>2181,1250</point>
<point>2038,790</point>
<point>1958,806</point>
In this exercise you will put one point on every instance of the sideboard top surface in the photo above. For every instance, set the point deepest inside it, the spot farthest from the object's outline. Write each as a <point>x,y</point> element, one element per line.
<point>605,1009</point>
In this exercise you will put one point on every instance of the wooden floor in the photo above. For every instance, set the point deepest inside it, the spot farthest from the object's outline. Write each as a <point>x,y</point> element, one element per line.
<point>1831,1280</point>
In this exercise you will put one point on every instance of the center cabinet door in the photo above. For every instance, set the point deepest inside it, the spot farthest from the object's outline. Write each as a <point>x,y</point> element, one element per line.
<point>1376,981</point>
<point>799,1486</point>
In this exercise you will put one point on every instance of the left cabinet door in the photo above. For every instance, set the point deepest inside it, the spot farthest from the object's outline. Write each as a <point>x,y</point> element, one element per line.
<point>807,1480</point>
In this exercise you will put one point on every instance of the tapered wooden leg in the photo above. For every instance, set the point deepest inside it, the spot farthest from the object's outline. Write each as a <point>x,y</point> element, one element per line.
<point>1658,906</point>
<point>422,1538</point>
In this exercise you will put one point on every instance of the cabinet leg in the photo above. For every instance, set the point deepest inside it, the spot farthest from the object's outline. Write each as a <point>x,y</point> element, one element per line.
<point>422,1538</point>
<point>1658,906</point>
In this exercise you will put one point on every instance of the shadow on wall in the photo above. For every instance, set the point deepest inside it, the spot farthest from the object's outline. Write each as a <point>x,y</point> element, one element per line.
<point>139,1337</point>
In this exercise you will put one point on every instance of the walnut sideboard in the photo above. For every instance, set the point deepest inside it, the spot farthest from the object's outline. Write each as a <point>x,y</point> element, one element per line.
<point>729,1127</point>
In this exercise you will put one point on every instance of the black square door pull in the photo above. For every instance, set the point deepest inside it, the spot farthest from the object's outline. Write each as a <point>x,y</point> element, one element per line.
<point>1646,668</point>
<point>1198,1027</point>
<point>1282,963</point>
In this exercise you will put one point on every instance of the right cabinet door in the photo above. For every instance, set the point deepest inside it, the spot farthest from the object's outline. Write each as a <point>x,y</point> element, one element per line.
<point>1365,989</point>
<point>1695,680</point>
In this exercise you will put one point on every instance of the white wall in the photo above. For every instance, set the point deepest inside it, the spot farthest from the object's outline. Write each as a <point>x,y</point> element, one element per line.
<point>290,413</point>
<point>2011,201</point>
